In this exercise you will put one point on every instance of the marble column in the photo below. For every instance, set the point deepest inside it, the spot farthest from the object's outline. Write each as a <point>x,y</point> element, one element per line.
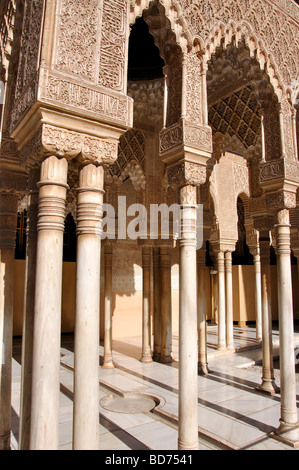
<point>221,302</point>
<point>44,433</point>
<point>202,313</point>
<point>146,355</point>
<point>268,382</point>
<point>87,324</point>
<point>166,305</point>
<point>258,296</point>
<point>229,301</point>
<point>188,349</point>
<point>8,223</point>
<point>108,360</point>
<point>289,425</point>
<point>28,317</point>
<point>157,304</point>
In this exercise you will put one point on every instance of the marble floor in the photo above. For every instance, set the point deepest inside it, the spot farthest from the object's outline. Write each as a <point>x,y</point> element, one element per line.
<point>232,415</point>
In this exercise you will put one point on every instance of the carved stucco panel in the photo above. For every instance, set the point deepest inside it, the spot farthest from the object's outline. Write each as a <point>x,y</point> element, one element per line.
<point>76,50</point>
<point>30,44</point>
<point>114,32</point>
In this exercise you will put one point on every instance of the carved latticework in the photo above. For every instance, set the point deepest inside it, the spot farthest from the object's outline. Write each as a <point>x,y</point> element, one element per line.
<point>237,115</point>
<point>131,147</point>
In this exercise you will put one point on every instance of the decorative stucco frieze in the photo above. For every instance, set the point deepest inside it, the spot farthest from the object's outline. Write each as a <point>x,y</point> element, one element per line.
<point>278,170</point>
<point>186,134</point>
<point>73,94</point>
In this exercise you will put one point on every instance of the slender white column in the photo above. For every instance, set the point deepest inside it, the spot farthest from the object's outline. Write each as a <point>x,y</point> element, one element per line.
<point>87,325</point>
<point>258,296</point>
<point>289,425</point>
<point>8,223</point>
<point>268,382</point>
<point>146,310</point>
<point>108,361</point>
<point>166,311</point>
<point>229,301</point>
<point>221,303</point>
<point>47,308</point>
<point>157,304</point>
<point>188,349</point>
<point>28,321</point>
<point>202,314</point>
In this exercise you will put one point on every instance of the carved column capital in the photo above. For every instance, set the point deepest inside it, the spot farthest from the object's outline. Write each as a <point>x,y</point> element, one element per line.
<point>52,194</point>
<point>90,200</point>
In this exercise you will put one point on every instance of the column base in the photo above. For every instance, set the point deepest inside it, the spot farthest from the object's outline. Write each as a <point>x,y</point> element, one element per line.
<point>221,348</point>
<point>231,348</point>
<point>156,357</point>
<point>146,359</point>
<point>5,441</point>
<point>288,434</point>
<point>203,369</point>
<point>187,446</point>
<point>165,359</point>
<point>108,365</point>
<point>268,387</point>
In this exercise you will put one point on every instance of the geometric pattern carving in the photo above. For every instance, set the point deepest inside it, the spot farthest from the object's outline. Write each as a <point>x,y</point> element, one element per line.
<point>131,147</point>
<point>237,114</point>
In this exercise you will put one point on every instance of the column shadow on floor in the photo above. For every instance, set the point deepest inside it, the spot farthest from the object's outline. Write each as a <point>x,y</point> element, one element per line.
<point>117,431</point>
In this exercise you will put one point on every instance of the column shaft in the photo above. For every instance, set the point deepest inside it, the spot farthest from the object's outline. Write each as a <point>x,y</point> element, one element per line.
<point>87,326</point>
<point>28,320</point>
<point>221,303</point>
<point>166,311</point>
<point>258,296</point>
<point>188,349</point>
<point>8,220</point>
<point>157,304</point>
<point>202,314</point>
<point>47,309</point>
<point>229,301</point>
<point>268,382</point>
<point>289,415</point>
<point>146,310</point>
<point>108,362</point>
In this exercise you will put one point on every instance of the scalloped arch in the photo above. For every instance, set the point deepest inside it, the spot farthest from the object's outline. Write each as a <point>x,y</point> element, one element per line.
<point>219,34</point>
<point>224,33</point>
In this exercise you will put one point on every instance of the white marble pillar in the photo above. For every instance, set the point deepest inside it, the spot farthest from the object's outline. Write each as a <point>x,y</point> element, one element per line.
<point>87,324</point>
<point>289,425</point>
<point>157,304</point>
<point>8,223</point>
<point>44,433</point>
<point>146,355</point>
<point>202,313</point>
<point>268,382</point>
<point>229,302</point>
<point>188,349</point>
<point>28,318</point>
<point>108,360</point>
<point>258,296</point>
<point>166,306</point>
<point>221,302</point>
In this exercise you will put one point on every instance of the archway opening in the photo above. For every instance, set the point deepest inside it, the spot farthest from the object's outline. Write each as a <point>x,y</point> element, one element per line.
<point>145,62</point>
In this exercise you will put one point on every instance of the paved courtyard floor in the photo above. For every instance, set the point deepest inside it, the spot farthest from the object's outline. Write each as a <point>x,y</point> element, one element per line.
<point>232,415</point>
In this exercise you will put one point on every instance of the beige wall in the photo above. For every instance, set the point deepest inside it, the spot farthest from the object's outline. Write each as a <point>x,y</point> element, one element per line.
<point>127,317</point>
